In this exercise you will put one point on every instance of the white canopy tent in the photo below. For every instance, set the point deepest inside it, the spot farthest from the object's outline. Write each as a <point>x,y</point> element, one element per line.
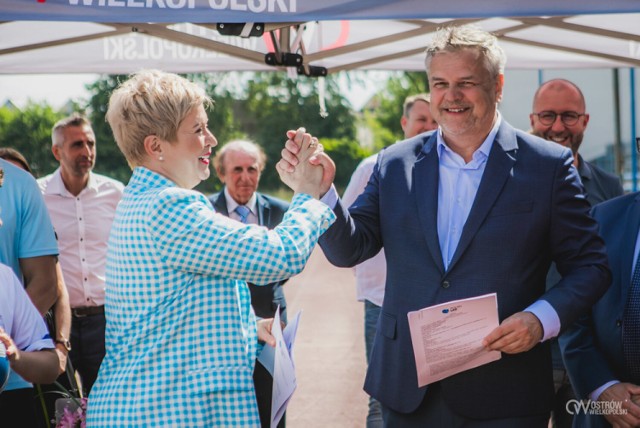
<point>585,41</point>
<point>120,36</point>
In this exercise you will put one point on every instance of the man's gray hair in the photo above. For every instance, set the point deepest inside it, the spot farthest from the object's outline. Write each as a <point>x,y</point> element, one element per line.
<point>76,119</point>
<point>453,39</point>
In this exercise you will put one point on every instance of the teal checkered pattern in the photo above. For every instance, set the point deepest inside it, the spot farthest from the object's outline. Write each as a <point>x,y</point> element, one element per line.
<point>181,335</point>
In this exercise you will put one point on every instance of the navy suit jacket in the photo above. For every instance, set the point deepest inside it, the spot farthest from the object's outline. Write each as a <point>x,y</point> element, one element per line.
<point>592,347</point>
<point>266,298</point>
<point>599,185</point>
<point>529,210</point>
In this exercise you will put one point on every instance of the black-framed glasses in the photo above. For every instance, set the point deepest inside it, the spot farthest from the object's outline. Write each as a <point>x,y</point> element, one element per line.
<point>569,118</point>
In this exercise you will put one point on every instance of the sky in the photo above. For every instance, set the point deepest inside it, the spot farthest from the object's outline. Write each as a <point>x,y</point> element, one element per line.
<point>56,89</point>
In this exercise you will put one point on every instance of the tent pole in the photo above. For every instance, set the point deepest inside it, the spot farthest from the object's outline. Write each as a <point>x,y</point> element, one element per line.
<point>540,77</point>
<point>618,153</point>
<point>634,150</point>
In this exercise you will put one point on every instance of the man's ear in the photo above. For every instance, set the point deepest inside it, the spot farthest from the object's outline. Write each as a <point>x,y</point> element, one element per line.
<point>220,173</point>
<point>499,87</point>
<point>403,122</point>
<point>55,149</point>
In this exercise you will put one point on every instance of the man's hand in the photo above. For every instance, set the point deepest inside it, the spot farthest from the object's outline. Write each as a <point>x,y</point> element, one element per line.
<point>518,333</point>
<point>62,356</point>
<point>304,166</point>
<point>13,353</point>
<point>264,331</point>
<point>623,393</point>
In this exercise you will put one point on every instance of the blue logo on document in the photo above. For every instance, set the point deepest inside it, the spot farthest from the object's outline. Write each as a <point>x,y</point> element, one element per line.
<point>445,311</point>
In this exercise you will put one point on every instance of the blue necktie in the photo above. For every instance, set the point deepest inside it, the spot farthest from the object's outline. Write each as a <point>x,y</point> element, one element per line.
<point>243,212</point>
<point>631,327</point>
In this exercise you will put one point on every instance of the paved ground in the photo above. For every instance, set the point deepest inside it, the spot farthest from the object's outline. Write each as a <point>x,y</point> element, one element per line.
<point>329,350</point>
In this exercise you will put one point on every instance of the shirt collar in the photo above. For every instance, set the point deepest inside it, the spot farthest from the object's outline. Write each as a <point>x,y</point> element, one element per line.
<point>56,185</point>
<point>485,147</point>
<point>232,204</point>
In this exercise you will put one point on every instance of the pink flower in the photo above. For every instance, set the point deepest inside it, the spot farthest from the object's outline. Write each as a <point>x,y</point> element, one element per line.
<point>74,418</point>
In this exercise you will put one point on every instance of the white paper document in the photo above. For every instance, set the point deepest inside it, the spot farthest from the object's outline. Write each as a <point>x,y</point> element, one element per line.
<point>447,338</point>
<point>279,362</point>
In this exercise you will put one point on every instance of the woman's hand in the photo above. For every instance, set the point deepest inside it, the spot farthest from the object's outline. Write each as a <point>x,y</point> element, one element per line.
<point>13,354</point>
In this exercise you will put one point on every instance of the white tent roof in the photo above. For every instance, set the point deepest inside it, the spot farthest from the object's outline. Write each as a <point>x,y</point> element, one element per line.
<point>118,36</point>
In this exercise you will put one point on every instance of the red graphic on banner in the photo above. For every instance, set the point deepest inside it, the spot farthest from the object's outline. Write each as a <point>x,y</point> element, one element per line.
<point>342,38</point>
<point>340,41</point>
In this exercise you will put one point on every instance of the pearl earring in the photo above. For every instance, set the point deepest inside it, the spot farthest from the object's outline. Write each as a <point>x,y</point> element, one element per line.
<point>160,158</point>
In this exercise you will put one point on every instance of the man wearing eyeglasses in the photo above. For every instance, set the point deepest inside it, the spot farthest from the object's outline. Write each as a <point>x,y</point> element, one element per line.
<point>559,115</point>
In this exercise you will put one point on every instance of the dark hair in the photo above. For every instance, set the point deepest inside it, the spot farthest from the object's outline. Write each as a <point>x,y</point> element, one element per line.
<point>10,154</point>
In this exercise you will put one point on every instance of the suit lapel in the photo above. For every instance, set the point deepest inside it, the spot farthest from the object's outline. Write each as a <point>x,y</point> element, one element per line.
<point>426,182</point>
<point>264,211</point>
<point>497,171</point>
<point>220,204</point>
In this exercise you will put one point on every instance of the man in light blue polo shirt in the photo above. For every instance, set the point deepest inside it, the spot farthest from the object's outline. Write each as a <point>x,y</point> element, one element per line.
<point>28,246</point>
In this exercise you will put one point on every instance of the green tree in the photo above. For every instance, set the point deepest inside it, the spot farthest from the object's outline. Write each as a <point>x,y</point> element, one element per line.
<point>274,103</point>
<point>346,156</point>
<point>29,131</point>
<point>110,161</point>
<point>387,105</point>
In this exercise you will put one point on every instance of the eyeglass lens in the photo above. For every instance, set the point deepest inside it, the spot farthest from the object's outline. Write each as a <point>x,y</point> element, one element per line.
<point>567,117</point>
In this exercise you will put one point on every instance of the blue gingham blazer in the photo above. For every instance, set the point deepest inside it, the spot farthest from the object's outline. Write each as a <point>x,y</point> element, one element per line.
<point>181,335</point>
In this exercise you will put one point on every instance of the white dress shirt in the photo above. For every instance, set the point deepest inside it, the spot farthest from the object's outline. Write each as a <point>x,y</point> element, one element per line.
<point>82,224</point>
<point>252,218</point>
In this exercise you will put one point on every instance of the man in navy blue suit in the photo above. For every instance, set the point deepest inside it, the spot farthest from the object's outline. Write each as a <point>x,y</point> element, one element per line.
<point>473,208</point>
<point>239,164</point>
<point>593,348</point>
<point>560,115</point>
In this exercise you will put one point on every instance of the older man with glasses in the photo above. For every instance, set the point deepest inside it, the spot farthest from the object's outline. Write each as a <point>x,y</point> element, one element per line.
<point>559,115</point>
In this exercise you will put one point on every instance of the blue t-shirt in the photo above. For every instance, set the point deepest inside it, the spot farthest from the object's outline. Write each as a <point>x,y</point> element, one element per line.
<point>26,229</point>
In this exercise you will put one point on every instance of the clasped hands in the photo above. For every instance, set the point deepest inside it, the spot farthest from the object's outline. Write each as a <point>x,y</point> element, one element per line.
<point>304,166</point>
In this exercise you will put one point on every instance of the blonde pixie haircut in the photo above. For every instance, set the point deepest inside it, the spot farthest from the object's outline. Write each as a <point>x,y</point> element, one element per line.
<point>151,102</point>
<point>454,39</point>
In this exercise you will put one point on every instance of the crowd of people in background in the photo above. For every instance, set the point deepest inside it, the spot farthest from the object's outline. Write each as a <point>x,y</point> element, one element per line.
<point>154,300</point>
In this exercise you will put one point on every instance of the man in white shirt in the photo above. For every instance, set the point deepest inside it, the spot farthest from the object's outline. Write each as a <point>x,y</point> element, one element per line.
<point>82,206</point>
<point>371,274</point>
